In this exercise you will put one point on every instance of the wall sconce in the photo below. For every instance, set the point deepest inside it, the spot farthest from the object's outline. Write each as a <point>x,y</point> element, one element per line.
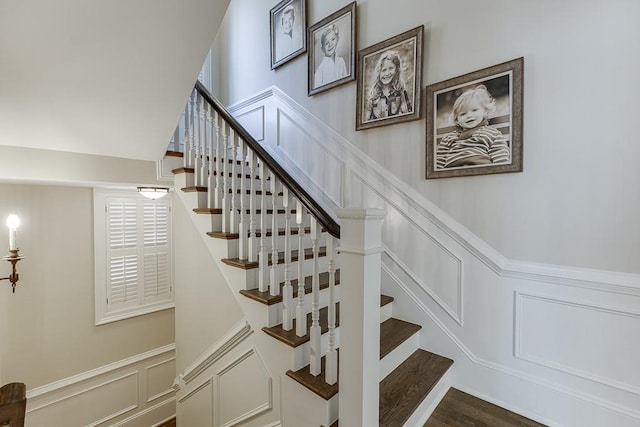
<point>153,192</point>
<point>13,222</point>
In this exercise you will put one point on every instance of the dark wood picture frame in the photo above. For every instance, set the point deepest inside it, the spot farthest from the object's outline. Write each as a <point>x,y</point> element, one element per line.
<point>456,147</point>
<point>330,36</point>
<point>288,20</point>
<point>403,103</point>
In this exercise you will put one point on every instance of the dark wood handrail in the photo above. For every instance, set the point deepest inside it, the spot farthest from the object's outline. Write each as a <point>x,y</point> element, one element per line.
<point>325,220</point>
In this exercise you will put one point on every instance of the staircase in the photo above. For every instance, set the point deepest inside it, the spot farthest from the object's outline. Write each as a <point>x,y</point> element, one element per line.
<point>284,248</point>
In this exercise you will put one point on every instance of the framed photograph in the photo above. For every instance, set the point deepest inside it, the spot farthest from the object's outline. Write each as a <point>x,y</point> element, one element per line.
<point>288,31</point>
<point>332,51</point>
<point>474,122</point>
<point>389,81</point>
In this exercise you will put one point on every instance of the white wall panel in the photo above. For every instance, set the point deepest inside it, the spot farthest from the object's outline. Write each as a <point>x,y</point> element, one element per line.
<point>131,392</point>
<point>236,401</point>
<point>584,339</point>
<point>253,122</point>
<point>308,154</point>
<point>196,408</point>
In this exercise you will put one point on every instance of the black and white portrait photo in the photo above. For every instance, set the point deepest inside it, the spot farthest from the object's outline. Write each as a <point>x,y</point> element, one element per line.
<point>332,50</point>
<point>389,81</point>
<point>288,31</point>
<point>474,123</point>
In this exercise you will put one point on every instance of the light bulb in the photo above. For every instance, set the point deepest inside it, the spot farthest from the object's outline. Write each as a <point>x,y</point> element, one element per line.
<point>13,222</point>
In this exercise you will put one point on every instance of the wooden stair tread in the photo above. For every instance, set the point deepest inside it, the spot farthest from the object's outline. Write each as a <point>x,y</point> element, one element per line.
<point>394,332</point>
<point>459,408</point>
<point>291,339</point>
<point>194,189</point>
<point>208,211</point>
<point>170,153</point>
<point>385,299</point>
<point>313,383</point>
<point>402,391</point>
<point>245,264</point>
<point>268,299</point>
<point>178,171</point>
<point>269,233</point>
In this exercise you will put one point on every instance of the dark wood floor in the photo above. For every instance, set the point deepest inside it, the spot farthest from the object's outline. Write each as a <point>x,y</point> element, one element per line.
<point>461,409</point>
<point>170,423</point>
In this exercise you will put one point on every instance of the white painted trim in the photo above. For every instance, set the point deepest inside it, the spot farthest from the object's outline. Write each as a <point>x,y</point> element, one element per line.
<point>255,411</point>
<point>457,317</point>
<point>140,414</point>
<point>417,209</point>
<point>235,336</point>
<point>518,353</point>
<point>94,373</point>
<point>83,391</point>
<point>632,412</point>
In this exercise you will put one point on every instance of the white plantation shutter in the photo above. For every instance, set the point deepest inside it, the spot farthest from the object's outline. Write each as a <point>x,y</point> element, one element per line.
<point>137,256</point>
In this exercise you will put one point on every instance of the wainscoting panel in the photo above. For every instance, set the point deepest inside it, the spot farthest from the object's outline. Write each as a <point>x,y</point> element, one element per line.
<point>253,121</point>
<point>424,260</point>
<point>586,339</point>
<point>554,356</point>
<point>196,408</point>
<point>235,401</point>
<point>135,389</point>
<point>302,149</point>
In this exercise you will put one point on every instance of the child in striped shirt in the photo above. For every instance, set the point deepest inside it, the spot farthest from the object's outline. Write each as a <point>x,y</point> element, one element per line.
<point>474,142</point>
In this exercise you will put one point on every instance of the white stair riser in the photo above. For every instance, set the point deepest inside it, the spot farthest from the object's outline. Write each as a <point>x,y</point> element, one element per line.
<point>392,360</point>
<point>301,353</point>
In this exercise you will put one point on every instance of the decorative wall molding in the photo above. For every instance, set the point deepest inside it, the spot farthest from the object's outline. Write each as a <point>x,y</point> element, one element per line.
<point>502,369</point>
<point>521,298</point>
<point>260,407</point>
<point>415,207</point>
<point>113,394</point>
<point>231,339</point>
<point>94,373</point>
<point>464,247</point>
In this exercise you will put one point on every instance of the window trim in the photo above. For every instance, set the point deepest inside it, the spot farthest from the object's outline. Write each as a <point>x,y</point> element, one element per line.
<point>102,314</point>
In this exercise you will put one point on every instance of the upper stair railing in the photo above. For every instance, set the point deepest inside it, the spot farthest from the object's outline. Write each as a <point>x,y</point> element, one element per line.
<point>253,193</point>
<point>222,155</point>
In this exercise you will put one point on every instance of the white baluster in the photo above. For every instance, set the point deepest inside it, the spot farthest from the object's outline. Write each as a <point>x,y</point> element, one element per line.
<point>226,202</point>
<point>275,268</point>
<point>288,309</point>
<point>301,315</point>
<point>217,198</point>
<point>243,231</point>
<point>263,259</point>
<point>315,332</point>
<point>253,241</point>
<point>233,215</point>
<point>197,139</point>
<point>211,166</point>
<point>331,363</point>
<point>202,126</point>
<point>188,137</point>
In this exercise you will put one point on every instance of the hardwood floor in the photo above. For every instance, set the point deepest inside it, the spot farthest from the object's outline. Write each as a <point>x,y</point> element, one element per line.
<point>461,409</point>
<point>170,423</point>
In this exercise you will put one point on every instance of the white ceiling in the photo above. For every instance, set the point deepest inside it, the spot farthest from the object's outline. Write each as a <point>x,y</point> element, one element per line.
<point>106,77</point>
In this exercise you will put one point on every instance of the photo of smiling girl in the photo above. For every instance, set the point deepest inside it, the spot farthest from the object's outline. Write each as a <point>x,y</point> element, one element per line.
<point>388,95</point>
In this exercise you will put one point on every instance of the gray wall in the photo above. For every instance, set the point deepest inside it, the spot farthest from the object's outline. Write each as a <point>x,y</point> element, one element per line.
<point>577,200</point>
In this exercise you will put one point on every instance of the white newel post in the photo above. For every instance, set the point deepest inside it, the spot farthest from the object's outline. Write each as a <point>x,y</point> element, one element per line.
<point>360,251</point>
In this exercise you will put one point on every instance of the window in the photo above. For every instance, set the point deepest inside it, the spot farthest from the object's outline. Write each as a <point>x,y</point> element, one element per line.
<point>132,237</point>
